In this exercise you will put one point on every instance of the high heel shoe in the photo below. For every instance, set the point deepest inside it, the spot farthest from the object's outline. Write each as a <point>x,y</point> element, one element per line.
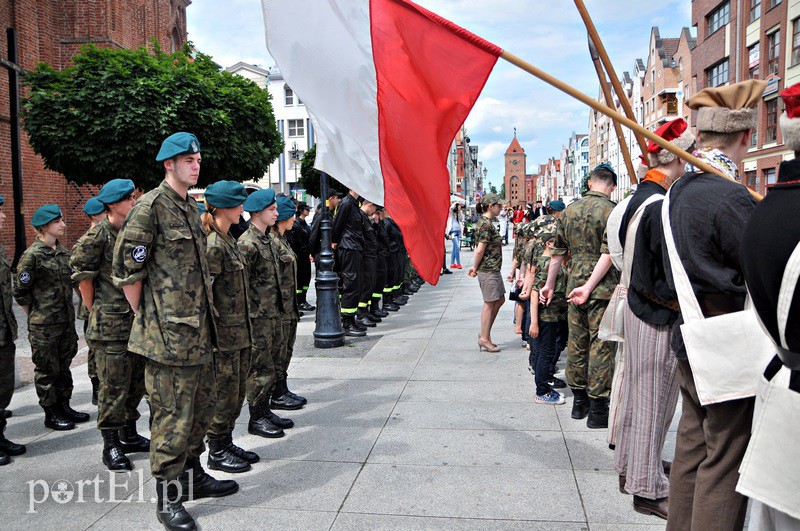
<point>489,347</point>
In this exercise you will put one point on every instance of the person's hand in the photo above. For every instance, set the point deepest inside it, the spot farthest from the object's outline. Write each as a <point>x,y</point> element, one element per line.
<point>472,272</point>
<point>334,245</point>
<point>546,295</point>
<point>533,331</point>
<point>525,294</point>
<point>510,277</point>
<point>579,295</point>
<point>520,282</point>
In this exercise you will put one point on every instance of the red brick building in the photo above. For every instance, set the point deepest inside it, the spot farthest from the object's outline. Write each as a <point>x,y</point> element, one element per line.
<point>52,31</point>
<point>514,179</point>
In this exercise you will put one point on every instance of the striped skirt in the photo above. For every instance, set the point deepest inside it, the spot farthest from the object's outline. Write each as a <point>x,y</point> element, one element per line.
<point>648,399</point>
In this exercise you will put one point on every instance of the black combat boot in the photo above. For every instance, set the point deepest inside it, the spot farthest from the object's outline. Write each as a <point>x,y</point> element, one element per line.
<point>388,305</point>
<point>281,422</point>
<point>113,456</point>
<point>281,399</point>
<point>131,441</point>
<point>10,448</point>
<point>220,457</point>
<point>286,390</point>
<point>580,404</point>
<point>363,320</point>
<point>303,303</point>
<point>95,389</point>
<point>4,459</point>
<point>400,299</point>
<point>250,457</point>
<point>169,508</point>
<point>55,420</point>
<point>197,484</point>
<point>349,326</point>
<point>598,413</point>
<point>71,414</point>
<point>375,309</point>
<point>262,427</point>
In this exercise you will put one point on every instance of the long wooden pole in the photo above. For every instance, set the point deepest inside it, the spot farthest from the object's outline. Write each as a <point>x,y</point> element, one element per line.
<point>594,37</point>
<point>623,145</point>
<point>611,113</point>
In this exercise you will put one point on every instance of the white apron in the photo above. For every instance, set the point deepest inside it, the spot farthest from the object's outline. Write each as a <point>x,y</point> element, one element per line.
<point>770,470</point>
<point>727,353</point>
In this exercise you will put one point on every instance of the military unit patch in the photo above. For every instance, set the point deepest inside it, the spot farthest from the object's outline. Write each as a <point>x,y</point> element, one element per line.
<point>139,254</point>
<point>24,277</point>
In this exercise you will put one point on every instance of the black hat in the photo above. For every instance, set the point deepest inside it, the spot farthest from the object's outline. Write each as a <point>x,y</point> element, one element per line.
<point>302,205</point>
<point>333,193</point>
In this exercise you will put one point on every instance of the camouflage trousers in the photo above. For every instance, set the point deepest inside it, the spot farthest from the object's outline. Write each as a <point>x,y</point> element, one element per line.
<point>288,337</point>
<point>263,361</point>
<point>121,375</point>
<point>91,364</point>
<point>7,353</point>
<point>231,368</point>
<point>590,361</point>
<point>181,405</point>
<point>53,347</point>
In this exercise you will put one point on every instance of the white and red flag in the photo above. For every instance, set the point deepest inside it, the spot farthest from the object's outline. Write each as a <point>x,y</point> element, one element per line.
<point>388,84</point>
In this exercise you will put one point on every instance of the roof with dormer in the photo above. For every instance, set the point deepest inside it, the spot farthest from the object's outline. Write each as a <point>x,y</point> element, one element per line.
<point>515,148</point>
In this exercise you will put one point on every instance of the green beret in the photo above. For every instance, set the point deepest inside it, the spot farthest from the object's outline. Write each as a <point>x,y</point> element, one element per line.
<point>178,144</point>
<point>557,205</point>
<point>45,214</point>
<point>259,200</point>
<point>201,209</point>
<point>93,207</point>
<point>226,194</point>
<point>115,191</point>
<point>286,208</point>
<point>491,199</point>
<point>2,201</point>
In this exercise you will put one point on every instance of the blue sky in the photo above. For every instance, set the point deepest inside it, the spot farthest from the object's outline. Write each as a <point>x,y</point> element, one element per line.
<point>548,34</point>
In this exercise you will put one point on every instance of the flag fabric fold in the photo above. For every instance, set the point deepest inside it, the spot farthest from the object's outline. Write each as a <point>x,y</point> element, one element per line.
<point>388,84</point>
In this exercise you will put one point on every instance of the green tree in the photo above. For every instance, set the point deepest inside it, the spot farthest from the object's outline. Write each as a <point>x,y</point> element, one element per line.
<point>493,189</point>
<point>585,184</point>
<point>106,116</point>
<point>310,177</point>
<point>502,190</point>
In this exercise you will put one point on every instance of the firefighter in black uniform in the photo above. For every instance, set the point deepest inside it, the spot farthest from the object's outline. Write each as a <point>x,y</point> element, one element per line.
<point>397,258</point>
<point>370,264</point>
<point>378,287</point>
<point>300,241</point>
<point>347,236</point>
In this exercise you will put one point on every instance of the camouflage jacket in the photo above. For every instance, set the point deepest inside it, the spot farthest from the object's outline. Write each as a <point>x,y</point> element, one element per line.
<point>8,322</point>
<point>111,316</point>
<point>162,245</point>
<point>521,237</point>
<point>557,311</point>
<point>539,226</point>
<point>229,278</point>
<point>43,282</point>
<point>260,253</point>
<point>287,273</point>
<point>485,232</point>
<point>580,233</point>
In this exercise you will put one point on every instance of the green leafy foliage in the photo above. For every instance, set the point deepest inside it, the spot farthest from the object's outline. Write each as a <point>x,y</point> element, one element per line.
<point>310,177</point>
<point>502,190</point>
<point>585,184</point>
<point>106,116</point>
<point>493,189</point>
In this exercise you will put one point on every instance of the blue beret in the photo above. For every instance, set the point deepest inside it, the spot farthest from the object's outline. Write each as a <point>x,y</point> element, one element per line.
<point>178,144</point>
<point>286,208</point>
<point>45,214</point>
<point>93,207</point>
<point>115,191</point>
<point>2,201</point>
<point>259,200</point>
<point>225,194</point>
<point>557,205</point>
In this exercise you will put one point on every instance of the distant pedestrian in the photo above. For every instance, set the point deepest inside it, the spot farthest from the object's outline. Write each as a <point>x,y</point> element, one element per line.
<point>454,230</point>
<point>502,217</point>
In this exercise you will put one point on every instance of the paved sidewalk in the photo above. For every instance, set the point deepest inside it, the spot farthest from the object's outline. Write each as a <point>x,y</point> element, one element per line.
<point>409,428</point>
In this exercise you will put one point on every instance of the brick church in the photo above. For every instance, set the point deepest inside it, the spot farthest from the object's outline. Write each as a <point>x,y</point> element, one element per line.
<point>53,31</point>
<point>520,187</point>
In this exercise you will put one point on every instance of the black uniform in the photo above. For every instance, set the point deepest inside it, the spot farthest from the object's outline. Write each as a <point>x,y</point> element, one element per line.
<point>348,234</point>
<point>396,262</point>
<point>370,262</point>
<point>300,241</point>
<point>381,269</point>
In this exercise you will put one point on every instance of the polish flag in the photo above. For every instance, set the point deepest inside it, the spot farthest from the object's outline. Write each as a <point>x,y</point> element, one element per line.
<point>388,84</point>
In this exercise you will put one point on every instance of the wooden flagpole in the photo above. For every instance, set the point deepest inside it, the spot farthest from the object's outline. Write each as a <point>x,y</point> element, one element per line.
<point>611,113</point>
<point>594,37</point>
<point>623,145</point>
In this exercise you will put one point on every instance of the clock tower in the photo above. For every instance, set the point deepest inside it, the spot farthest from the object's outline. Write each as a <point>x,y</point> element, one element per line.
<point>515,173</point>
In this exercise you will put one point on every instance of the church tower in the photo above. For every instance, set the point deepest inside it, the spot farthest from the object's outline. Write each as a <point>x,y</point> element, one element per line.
<point>515,172</point>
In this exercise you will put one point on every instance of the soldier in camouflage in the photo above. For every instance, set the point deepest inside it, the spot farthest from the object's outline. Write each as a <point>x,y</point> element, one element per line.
<point>282,397</point>
<point>121,373</point>
<point>590,361</point>
<point>229,281</point>
<point>8,334</point>
<point>160,262</point>
<point>42,286</point>
<point>266,304</point>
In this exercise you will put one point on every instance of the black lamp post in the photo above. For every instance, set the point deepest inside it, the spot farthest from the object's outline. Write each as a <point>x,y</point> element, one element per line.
<point>328,331</point>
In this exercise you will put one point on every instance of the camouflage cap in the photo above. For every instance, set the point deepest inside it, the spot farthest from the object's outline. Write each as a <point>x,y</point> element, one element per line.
<point>492,199</point>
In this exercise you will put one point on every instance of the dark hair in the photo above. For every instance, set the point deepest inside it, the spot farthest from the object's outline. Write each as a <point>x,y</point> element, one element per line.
<point>604,175</point>
<point>479,208</point>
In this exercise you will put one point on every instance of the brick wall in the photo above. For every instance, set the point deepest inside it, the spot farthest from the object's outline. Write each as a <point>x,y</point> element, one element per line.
<point>52,31</point>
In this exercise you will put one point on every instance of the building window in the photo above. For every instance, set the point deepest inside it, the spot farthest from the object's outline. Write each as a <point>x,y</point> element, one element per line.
<point>296,127</point>
<point>772,3</point>
<point>771,132</point>
<point>680,67</point>
<point>796,41</point>
<point>755,61</point>
<point>288,96</point>
<point>652,82</point>
<point>773,52</point>
<point>769,177</point>
<point>719,17</point>
<point>754,139</point>
<point>755,10</point>
<point>717,75</point>
<point>750,180</point>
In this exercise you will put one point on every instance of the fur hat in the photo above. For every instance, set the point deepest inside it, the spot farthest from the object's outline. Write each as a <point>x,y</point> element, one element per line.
<point>675,132</point>
<point>728,109</point>
<point>790,120</point>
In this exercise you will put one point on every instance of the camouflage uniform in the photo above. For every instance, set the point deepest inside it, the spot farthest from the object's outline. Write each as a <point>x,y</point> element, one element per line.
<point>590,361</point>
<point>260,252</point>
<point>287,280</point>
<point>162,245</point>
<point>485,232</point>
<point>83,315</point>
<point>541,225</point>
<point>229,278</point>
<point>43,283</point>
<point>521,236</point>
<point>121,373</point>
<point>8,334</point>
<point>557,310</point>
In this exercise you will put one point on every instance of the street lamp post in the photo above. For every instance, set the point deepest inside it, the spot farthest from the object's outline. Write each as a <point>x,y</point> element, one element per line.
<point>328,331</point>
